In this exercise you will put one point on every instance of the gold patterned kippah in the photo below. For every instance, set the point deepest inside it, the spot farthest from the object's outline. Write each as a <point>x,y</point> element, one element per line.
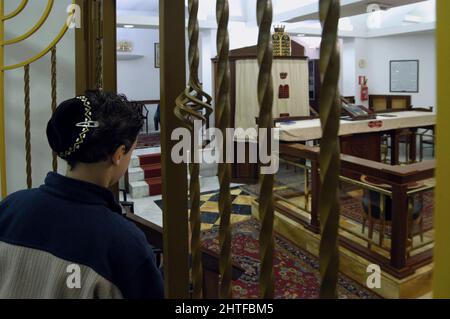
<point>86,125</point>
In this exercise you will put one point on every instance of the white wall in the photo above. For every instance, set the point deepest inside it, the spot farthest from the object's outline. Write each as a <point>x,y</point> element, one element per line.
<point>378,52</point>
<point>403,47</point>
<point>40,88</point>
<point>348,67</point>
<point>139,79</point>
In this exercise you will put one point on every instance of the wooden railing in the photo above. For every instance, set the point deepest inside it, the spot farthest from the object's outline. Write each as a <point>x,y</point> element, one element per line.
<point>399,178</point>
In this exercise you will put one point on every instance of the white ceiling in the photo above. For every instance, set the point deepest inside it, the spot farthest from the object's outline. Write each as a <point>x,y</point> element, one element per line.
<point>300,16</point>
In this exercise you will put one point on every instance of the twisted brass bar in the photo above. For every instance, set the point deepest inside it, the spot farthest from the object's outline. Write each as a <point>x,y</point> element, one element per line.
<point>329,160</point>
<point>54,101</point>
<point>189,107</point>
<point>27,124</point>
<point>224,170</point>
<point>195,223</point>
<point>265,99</point>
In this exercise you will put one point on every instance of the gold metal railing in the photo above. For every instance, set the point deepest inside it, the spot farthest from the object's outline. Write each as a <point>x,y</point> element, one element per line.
<point>26,65</point>
<point>188,110</point>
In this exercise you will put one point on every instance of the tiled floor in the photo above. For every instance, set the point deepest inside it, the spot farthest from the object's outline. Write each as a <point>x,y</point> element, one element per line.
<point>149,210</point>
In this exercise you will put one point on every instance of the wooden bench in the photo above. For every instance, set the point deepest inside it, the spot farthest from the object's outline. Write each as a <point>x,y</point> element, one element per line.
<point>210,259</point>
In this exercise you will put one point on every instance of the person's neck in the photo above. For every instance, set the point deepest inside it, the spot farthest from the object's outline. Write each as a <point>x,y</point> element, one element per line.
<point>96,173</point>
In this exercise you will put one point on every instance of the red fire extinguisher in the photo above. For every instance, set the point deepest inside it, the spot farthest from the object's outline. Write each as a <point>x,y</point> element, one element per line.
<point>364,90</point>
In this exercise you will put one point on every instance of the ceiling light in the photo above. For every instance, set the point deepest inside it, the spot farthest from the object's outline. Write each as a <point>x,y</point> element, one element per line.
<point>128,26</point>
<point>412,18</point>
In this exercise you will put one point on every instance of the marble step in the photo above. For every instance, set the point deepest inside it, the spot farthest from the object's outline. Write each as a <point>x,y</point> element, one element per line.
<point>139,189</point>
<point>136,174</point>
<point>134,162</point>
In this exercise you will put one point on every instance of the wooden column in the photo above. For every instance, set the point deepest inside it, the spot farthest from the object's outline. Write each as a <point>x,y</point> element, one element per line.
<point>395,151</point>
<point>399,226</point>
<point>3,176</point>
<point>441,280</point>
<point>92,24</point>
<point>174,192</point>
<point>85,48</point>
<point>109,45</point>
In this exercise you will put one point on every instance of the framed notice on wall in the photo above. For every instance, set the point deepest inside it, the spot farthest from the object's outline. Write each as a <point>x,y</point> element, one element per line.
<point>404,76</point>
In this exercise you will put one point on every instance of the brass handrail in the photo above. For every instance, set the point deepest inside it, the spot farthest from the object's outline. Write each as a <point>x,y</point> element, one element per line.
<point>55,41</point>
<point>18,10</point>
<point>25,63</point>
<point>36,27</point>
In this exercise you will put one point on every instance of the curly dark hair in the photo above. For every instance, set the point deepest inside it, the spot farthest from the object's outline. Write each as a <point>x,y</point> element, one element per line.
<point>120,122</point>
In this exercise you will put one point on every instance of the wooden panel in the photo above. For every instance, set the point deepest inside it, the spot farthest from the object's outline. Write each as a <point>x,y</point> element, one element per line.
<point>362,145</point>
<point>399,103</point>
<point>175,217</point>
<point>379,104</point>
<point>244,172</point>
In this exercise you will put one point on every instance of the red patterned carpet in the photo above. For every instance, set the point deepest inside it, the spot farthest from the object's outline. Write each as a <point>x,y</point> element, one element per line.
<point>296,271</point>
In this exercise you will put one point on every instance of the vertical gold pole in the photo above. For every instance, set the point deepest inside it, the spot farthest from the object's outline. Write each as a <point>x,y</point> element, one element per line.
<point>173,81</point>
<point>441,280</point>
<point>2,107</point>
<point>329,159</point>
<point>223,122</point>
<point>265,99</point>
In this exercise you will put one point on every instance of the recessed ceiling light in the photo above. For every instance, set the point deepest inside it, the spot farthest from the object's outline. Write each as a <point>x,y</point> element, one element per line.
<point>128,26</point>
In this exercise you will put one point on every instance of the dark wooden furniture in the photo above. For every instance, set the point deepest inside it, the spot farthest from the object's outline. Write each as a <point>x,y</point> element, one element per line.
<point>381,103</point>
<point>210,259</point>
<point>399,178</point>
<point>248,172</point>
<point>314,84</point>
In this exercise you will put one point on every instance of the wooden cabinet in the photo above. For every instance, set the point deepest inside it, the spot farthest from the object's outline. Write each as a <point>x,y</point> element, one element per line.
<point>314,84</point>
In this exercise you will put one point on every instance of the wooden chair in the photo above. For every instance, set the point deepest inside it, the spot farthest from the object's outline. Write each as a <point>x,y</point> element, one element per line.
<point>373,214</point>
<point>427,143</point>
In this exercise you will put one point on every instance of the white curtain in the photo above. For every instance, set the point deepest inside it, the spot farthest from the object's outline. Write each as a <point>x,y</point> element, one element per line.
<point>247,108</point>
